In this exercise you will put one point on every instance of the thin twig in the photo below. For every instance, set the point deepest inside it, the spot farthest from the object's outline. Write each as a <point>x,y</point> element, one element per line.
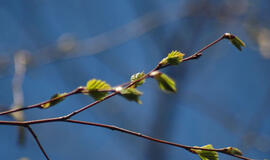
<point>36,139</point>
<point>62,119</point>
<point>188,148</point>
<point>38,105</point>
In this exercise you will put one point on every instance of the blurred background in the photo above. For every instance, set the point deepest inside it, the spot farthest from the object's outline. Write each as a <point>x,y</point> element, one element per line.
<point>49,47</point>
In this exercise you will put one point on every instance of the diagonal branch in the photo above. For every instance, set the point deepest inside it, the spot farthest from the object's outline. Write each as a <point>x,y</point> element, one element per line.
<point>112,127</point>
<point>159,66</point>
<point>38,105</point>
<point>127,85</point>
<point>36,139</point>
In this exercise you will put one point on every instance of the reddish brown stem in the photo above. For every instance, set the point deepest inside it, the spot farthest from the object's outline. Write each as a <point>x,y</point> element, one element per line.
<point>188,148</point>
<point>36,139</point>
<point>38,105</point>
<point>199,53</point>
<point>127,84</point>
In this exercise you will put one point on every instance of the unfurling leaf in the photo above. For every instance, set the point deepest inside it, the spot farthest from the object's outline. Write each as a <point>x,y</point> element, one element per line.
<point>233,151</point>
<point>237,42</point>
<point>54,100</point>
<point>131,94</point>
<point>206,155</point>
<point>137,76</point>
<point>97,88</point>
<point>173,58</point>
<point>165,83</point>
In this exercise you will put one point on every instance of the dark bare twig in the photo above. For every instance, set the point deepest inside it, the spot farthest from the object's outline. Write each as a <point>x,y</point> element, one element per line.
<point>38,105</point>
<point>188,148</point>
<point>36,139</point>
<point>62,119</point>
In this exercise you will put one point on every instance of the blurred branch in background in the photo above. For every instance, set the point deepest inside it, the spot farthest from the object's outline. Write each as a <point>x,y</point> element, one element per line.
<point>68,47</point>
<point>20,62</point>
<point>261,37</point>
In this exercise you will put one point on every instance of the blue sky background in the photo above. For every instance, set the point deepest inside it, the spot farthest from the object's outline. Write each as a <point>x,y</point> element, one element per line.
<point>222,98</point>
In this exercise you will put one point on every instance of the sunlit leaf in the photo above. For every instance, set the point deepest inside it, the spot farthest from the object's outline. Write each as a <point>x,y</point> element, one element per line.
<point>54,100</point>
<point>131,94</point>
<point>97,88</point>
<point>137,76</point>
<point>237,42</point>
<point>173,58</point>
<point>165,83</point>
<point>206,155</point>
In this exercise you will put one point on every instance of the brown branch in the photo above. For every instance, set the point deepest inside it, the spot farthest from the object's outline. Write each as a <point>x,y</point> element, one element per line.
<point>188,148</point>
<point>36,139</point>
<point>159,66</point>
<point>38,105</point>
<point>127,84</point>
<point>67,117</point>
<point>63,119</point>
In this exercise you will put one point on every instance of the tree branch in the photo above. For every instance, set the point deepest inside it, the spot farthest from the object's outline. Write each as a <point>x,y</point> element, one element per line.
<point>67,117</point>
<point>188,148</point>
<point>38,105</point>
<point>36,139</point>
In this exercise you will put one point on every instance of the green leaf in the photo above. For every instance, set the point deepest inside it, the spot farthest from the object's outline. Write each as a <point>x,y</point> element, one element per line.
<point>54,100</point>
<point>233,151</point>
<point>165,83</point>
<point>206,155</point>
<point>97,88</point>
<point>173,58</point>
<point>137,76</point>
<point>131,94</point>
<point>237,42</point>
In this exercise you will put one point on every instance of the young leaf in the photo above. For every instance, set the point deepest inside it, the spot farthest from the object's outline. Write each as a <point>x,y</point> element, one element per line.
<point>165,83</point>
<point>233,151</point>
<point>54,101</point>
<point>135,77</point>
<point>206,155</point>
<point>131,94</point>
<point>173,58</point>
<point>237,42</point>
<point>96,88</point>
